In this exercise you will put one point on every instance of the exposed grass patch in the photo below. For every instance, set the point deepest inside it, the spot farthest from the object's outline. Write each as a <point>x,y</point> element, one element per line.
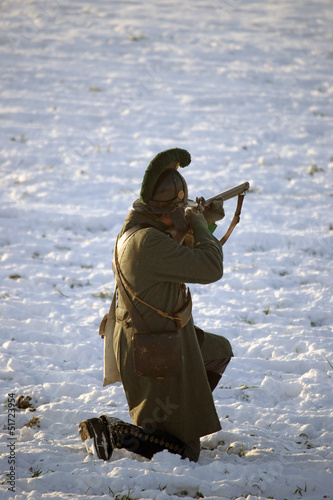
<point>246,320</point>
<point>103,295</point>
<point>314,169</point>
<point>34,422</point>
<point>35,471</point>
<point>331,365</point>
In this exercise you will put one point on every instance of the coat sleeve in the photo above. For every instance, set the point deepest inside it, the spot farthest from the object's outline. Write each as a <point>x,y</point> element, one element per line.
<point>177,263</point>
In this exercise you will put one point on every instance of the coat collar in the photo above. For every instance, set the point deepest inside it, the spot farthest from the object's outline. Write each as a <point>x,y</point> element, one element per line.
<point>135,218</point>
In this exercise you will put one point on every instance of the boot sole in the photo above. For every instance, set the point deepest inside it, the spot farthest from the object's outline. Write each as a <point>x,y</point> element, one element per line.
<point>95,429</point>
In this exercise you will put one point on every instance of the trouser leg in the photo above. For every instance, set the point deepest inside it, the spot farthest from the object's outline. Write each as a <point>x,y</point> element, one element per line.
<point>215,370</point>
<point>192,450</point>
<point>216,353</point>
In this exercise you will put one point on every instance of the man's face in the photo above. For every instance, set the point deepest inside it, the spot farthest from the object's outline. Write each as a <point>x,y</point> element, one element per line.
<point>166,219</point>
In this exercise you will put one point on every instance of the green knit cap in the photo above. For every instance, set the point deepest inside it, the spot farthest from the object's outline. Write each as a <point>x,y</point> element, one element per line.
<point>171,158</point>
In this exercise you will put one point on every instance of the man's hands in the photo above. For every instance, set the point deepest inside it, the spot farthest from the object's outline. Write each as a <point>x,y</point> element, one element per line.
<point>214,212</point>
<point>199,215</point>
<point>204,217</point>
<point>196,219</point>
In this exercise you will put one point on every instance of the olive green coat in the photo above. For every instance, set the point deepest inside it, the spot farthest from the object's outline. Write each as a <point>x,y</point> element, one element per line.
<point>154,265</point>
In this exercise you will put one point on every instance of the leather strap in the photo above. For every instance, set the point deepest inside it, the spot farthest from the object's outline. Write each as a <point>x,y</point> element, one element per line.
<point>235,219</point>
<point>126,235</point>
<point>173,320</point>
<point>138,321</point>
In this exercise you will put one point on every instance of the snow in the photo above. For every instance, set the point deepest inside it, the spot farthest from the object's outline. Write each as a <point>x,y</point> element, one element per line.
<point>90,93</point>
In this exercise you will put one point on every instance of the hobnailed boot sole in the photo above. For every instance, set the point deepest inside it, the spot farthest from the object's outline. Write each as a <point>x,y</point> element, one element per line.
<point>94,432</point>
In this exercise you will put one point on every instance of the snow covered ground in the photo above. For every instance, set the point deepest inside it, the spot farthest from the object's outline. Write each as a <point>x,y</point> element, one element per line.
<point>90,93</point>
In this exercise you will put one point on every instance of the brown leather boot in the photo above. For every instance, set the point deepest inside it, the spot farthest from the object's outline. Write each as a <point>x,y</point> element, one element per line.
<point>95,435</point>
<point>135,439</point>
<point>101,435</point>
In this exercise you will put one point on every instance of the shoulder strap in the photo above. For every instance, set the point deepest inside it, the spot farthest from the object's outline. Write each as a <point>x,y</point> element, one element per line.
<point>138,321</point>
<point>127,234</point>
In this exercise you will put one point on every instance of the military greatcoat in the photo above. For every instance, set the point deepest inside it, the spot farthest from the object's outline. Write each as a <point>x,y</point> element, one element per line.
<point>154,266</point>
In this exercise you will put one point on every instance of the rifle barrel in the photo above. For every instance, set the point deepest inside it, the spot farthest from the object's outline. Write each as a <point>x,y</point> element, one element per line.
<point>230,193</point>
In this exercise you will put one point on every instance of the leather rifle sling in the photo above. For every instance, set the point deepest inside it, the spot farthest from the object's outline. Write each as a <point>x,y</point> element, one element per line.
<point>235,219</point>
<point>138,321</point>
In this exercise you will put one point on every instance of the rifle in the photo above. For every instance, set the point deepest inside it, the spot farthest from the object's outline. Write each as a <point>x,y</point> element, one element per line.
<point>224,196</point>
<point>201,205</point>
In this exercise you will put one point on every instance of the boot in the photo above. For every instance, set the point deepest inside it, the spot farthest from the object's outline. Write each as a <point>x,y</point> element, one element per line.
<point>101,435</point>
<point>137,440</point>
<point>95,435</point>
